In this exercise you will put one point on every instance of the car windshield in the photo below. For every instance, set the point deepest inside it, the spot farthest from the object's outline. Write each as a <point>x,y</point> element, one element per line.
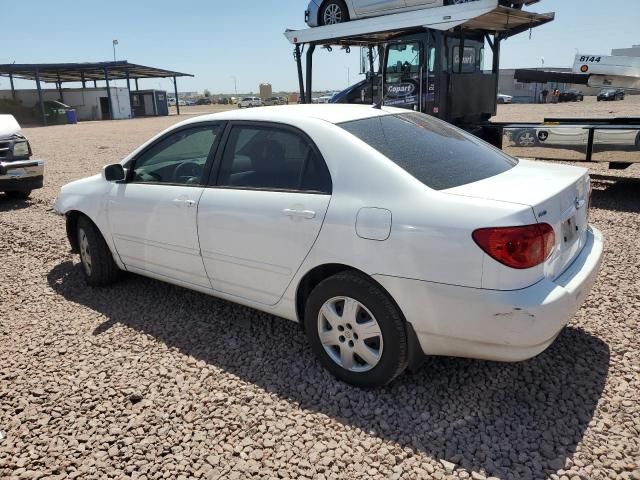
<point>438,154</point>
<point>608,91</point>
<point>247,99</point>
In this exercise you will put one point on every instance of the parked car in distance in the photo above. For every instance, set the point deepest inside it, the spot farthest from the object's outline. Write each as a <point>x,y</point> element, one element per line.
<point>272,101</point>
<point>571,95</point>
<point>611,94</point>
<point>19,173</point>
<point>331,12</point>
<point>204,101</point>
<point>54,111</point>
<point>322,214</point>
<point>502,98</point>
<point>224,101</point>
<point>248,102</point>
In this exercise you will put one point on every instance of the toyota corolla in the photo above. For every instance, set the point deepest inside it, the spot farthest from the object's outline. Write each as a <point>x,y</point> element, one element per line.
<point>386,234</point>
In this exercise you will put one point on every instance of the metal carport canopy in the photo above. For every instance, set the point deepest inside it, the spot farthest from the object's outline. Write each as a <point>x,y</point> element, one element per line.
<point>77,72</point>
<point>485,16</point>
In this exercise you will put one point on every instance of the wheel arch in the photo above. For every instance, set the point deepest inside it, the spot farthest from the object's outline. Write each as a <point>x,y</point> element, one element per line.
<point>72,217</point>
<point>346,3</point>
<point>321,272</point>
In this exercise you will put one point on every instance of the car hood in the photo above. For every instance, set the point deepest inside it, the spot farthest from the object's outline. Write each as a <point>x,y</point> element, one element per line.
<point>8,126</point>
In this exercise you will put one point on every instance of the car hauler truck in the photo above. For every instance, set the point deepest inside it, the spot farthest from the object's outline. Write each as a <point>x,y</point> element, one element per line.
<point>432,61</point>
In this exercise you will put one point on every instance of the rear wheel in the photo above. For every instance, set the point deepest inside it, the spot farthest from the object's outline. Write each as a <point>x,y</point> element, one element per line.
<point>356,331</point>
<point>333,12</point>
<point>97,261</point>
<point>19,194</point>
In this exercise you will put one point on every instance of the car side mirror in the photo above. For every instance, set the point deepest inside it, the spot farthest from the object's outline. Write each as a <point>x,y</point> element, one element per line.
<point>114,173</point>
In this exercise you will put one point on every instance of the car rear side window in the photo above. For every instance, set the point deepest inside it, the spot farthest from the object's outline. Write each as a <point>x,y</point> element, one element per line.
<point>272,158</point>
<point>439,155</point>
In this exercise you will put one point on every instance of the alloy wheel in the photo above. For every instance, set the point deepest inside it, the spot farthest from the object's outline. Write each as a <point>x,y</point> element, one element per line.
<point>333,14</point>
<point>350,334</point>
<point>85,255</point>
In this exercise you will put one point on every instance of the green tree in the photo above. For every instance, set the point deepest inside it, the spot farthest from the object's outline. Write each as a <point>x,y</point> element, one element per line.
<point>207,93</point>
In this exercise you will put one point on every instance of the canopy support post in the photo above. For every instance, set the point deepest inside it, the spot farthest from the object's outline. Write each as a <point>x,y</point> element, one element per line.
<point>60,89</point>
<point>106,78</point>
<point>13,90</point>
<point>83,81</point>
<point>175,89</point>
<point>40,101</point>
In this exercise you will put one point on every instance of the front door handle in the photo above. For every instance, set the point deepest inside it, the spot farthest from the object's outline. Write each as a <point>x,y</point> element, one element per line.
<point>308,214</point>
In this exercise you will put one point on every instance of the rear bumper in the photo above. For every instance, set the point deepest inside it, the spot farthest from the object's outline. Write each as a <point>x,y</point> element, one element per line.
<point>21,175</point>
<point>496,325</point>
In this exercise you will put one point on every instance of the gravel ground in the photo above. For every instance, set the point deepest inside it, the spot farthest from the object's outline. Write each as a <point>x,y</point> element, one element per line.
<point>145,380</point>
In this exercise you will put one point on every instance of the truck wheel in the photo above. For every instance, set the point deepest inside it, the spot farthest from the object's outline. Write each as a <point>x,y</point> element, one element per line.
<point>19,194</point>
<point>356,331</point>
<point>333,12</point>
<point>97,261</point>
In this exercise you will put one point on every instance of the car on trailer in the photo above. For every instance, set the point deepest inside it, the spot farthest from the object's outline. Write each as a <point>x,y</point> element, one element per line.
<point>19,173</point>
<point>331,12</point>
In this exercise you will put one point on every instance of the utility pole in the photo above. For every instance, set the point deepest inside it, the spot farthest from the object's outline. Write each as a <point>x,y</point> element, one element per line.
<point>235,84</point>
<point>115,42</point>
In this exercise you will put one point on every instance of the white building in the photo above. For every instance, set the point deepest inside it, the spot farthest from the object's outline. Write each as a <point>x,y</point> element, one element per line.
<point>89,103</point>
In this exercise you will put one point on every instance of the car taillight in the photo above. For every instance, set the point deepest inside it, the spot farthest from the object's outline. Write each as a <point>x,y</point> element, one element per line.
<point>517,247</point>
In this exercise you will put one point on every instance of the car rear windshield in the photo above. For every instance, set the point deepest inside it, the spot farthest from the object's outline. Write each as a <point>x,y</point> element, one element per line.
<point>439,155</point>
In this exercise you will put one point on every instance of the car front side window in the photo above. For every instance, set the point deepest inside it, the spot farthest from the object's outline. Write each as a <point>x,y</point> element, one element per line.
<point>178,159</point>
<point>272,158</point>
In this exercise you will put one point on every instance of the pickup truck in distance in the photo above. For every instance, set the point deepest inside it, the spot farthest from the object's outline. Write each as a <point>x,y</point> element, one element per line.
<point>19,174</point>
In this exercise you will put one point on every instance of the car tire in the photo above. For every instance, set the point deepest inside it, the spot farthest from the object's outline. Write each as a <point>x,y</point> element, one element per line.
<point>333,12</point>
<point>367,345</point>
<point>19,194</point>
<point>96,258</point>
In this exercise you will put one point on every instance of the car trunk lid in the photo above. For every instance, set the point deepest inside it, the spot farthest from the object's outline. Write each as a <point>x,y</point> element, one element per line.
<point>558,195</point>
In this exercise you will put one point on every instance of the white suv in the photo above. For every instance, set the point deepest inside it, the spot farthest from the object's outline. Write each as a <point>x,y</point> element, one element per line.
<point>248,102</point>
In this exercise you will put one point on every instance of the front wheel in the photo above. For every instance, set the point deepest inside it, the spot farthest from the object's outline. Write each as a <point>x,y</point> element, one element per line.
<point>356,331</point>
<point>333,12</point>
<point>97,261</point>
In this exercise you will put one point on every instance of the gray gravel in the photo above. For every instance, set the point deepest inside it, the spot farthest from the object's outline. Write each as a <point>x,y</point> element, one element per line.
<point>145,380</point>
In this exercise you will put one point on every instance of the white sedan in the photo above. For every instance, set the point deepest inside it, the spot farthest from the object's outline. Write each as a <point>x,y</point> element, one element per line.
<point>331,12</point>
<point>387,234</point>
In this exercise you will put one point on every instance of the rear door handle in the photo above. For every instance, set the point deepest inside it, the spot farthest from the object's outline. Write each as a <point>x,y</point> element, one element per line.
<point>308,214</point>
<point>183,202</point>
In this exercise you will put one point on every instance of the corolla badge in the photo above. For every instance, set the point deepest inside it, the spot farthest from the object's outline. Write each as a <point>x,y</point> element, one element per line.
<point>401,89</point>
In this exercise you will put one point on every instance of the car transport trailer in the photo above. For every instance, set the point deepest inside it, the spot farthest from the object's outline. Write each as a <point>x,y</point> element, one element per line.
<point>432,61</point>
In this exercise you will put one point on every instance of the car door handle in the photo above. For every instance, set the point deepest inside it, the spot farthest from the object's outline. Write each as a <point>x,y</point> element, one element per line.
<point>183,202</point>
<point>308,214</point>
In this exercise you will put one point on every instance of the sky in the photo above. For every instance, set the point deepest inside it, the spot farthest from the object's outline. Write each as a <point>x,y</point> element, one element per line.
<point>218,40</point>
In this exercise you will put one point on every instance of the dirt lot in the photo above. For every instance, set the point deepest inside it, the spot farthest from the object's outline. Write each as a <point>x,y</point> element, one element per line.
<point>145,380</point>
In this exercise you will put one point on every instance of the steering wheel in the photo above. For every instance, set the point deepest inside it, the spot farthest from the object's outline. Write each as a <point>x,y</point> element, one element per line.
<point>191,171</point>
